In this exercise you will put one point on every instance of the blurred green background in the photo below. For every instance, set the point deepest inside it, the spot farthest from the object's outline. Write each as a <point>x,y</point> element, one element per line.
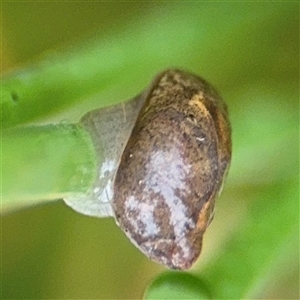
<point>250,52</point>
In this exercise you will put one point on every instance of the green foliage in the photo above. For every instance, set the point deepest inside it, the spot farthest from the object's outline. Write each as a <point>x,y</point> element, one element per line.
<point>177,286</point>
<point>41,163</point>
<point>260,249</point>
<point>249,51</point>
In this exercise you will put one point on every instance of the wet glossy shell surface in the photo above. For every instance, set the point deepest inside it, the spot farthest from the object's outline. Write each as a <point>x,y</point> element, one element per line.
<point>172,169</point>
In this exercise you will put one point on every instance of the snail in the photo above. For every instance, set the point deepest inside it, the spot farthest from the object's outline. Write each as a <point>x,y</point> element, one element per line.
<point>167,152</point>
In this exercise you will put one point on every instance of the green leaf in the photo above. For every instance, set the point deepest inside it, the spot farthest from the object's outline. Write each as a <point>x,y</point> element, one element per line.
<point>265,238</point>
<point>45,163</point>
<point>176,285</point>
<point>121,64</point>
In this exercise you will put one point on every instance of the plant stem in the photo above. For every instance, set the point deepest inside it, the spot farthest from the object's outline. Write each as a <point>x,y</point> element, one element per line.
<point>45,163</point>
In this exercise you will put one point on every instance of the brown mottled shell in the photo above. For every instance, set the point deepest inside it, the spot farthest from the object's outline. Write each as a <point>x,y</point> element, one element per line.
<point>172,169</point>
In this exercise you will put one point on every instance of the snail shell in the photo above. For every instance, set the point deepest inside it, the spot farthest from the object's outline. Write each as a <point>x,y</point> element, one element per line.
<point>172,155</point>
<point>172,169</point>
